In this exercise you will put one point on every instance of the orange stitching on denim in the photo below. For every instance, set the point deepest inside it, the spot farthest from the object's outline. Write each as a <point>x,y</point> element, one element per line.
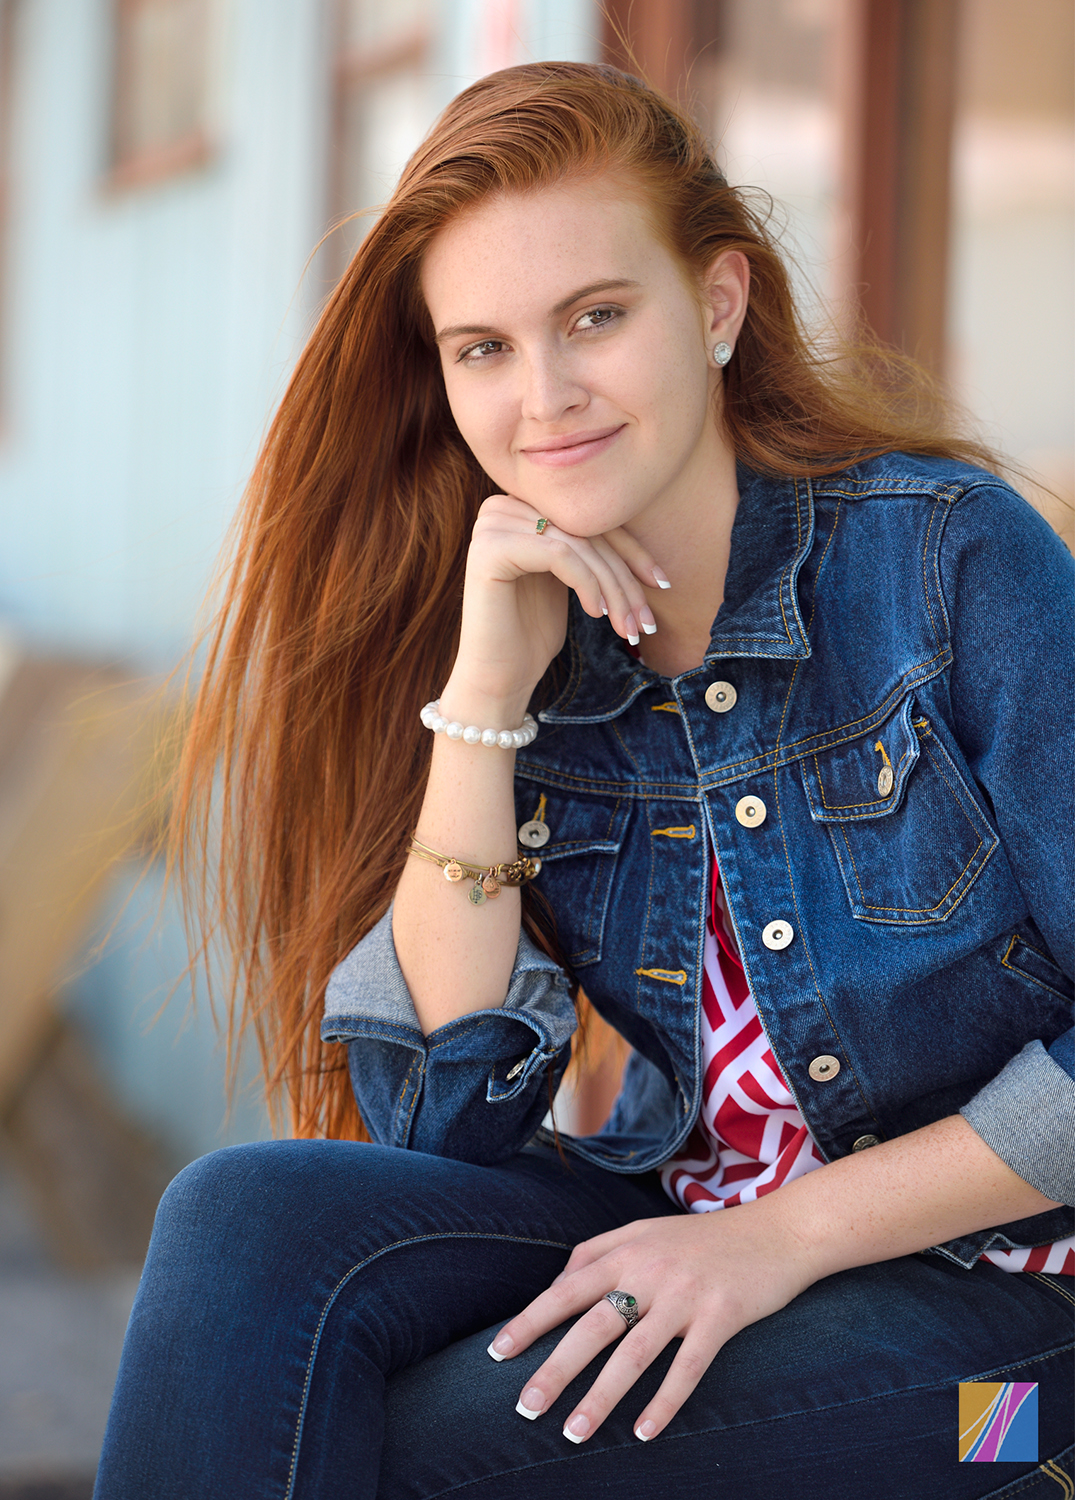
<point>1018,939</point>
<point>795,669</point>
<point>1054,1471</point>
<point>1062,1290</point>
<point>821,564</point>
<point>787,705</point>
<point>664,708</point>
<point>1014,968</point>
<point>668,976</point>
<point>766,761</point>
<point>403,1091</point>
<point>924,911</point>
<point>450,1234</point>
<point>686,832</point>
<point>925,579</point>
<point>615,727</point>
<point>850,806</point>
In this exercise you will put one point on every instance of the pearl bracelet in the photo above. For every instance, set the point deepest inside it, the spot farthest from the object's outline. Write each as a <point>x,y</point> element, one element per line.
<point>470,734</point>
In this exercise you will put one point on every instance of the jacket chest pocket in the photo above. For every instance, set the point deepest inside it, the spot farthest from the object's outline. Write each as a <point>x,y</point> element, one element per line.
<point>908,835</point>
<point>582,838</point>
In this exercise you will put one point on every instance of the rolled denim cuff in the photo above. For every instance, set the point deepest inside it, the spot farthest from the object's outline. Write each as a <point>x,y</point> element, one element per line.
<point>1026,1114</point>
<point>434,1093</point>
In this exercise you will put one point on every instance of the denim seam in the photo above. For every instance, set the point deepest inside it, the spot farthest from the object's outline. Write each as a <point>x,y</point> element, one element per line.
<point>418,1239</point>
<point>918,911</point>
<point>1061,1290</point>
<point>925,575</point>
<point>408,1118</point>
<point>924,912</point>
<point>888,803</point>
<point>948,492</point>
<point>599,1453</point>
<point>821,564</point>
<point>1025,1480</point>
<point>828,739</point>
<point>1014,968</point>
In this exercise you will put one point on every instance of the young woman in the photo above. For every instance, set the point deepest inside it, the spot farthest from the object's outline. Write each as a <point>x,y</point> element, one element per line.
<point>793,818</point>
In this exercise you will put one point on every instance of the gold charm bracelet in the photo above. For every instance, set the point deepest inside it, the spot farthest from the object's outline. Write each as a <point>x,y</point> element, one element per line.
<point>487,878</point>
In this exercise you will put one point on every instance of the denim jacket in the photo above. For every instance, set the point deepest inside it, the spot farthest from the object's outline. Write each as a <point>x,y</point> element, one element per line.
<point>878,748</point>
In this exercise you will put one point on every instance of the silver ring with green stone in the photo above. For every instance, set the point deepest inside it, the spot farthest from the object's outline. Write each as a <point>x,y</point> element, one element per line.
<point>625,1305</point>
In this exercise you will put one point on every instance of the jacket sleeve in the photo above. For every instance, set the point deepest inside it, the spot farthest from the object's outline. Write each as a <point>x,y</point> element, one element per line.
<point>476,1089</point>
<point>1007,582</point>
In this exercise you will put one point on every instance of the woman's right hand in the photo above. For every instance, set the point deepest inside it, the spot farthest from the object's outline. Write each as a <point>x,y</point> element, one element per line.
<point>516,592</point>
<point>456,960</point>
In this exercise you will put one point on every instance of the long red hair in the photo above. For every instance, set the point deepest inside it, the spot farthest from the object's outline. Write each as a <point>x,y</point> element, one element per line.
<point>305,762</point>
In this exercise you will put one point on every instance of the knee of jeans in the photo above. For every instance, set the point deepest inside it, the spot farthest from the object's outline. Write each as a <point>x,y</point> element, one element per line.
<point>259,1185</point>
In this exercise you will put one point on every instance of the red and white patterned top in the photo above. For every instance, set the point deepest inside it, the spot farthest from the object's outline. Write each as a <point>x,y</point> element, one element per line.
<point>750,1137</point>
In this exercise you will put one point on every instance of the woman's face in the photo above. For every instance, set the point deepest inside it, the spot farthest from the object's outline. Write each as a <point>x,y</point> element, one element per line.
<point>575,353</point>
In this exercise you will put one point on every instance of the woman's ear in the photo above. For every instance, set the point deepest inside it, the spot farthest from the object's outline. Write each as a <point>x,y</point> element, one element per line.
<point>725,291</point>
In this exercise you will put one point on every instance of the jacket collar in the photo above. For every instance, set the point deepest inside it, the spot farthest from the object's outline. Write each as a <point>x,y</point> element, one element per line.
<point>771,537</point>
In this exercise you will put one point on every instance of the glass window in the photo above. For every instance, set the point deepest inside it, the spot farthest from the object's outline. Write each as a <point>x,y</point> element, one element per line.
<point>385,105</point>
<point>7,44</point>
<point>1011,307</point>
<point>766,82</point>
<point>160,87</point>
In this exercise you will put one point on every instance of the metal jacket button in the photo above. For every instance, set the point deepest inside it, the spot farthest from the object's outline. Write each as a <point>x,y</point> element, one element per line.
<point>750,811</point>
<point>823,1068</point>
<point>865,1140</point>
<point>778,935</point>
<point>534,835</point>
<point>720,697</point>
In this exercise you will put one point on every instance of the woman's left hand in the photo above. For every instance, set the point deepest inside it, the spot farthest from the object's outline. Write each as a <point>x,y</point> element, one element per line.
<point>697,1277</point>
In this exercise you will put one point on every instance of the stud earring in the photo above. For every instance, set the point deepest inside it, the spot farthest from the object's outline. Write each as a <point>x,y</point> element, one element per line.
<point>722,353</point>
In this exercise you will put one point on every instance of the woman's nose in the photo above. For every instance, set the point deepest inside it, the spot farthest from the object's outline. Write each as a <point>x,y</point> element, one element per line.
<point>552,388</point>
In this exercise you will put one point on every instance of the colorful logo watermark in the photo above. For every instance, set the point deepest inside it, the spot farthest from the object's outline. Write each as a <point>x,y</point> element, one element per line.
<point>998,1422</point>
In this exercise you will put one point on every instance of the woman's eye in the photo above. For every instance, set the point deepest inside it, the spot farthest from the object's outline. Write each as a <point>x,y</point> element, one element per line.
<point>598,317</point>
<point>474,353</point>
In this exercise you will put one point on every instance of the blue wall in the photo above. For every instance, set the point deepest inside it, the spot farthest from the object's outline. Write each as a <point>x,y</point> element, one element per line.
<point>147,336</point>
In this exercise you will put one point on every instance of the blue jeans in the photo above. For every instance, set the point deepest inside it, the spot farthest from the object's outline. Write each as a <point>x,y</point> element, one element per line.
<point>313,1319</point>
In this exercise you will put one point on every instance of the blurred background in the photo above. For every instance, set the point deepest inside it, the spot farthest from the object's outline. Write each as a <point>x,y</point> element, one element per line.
<point>167,168</point>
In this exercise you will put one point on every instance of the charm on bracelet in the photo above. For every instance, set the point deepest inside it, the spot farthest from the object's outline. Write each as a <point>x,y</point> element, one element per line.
<point>488,879</point>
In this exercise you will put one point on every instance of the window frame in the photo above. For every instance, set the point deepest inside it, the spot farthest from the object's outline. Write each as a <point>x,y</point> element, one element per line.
<point>131,169</point>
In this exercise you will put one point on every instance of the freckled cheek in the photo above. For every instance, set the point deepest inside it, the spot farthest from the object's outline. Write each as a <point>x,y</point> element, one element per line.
<point>487,434</point>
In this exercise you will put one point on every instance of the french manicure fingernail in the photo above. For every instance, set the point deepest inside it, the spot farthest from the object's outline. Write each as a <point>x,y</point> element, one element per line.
<point>661,580</point>
<point>530,1403</point>
<point>649,624</point>
<point>632,629</point>
<point>501,1345</point>
<point>645,1430</point>
<point>577,1428</point>
<point>604,606</point>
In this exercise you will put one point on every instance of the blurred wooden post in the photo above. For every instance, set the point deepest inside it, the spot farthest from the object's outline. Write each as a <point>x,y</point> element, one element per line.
<point>900,98</point>
<point>659,34</point>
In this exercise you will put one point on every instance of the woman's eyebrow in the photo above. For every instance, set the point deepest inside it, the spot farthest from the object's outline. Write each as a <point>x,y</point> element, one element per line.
<point>479,330</point>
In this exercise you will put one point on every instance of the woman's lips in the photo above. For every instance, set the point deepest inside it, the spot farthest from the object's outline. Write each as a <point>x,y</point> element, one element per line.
<point>573,448</point>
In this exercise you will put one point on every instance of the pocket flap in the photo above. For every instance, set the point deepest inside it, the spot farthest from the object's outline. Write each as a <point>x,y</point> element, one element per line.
<point>865,778</point>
